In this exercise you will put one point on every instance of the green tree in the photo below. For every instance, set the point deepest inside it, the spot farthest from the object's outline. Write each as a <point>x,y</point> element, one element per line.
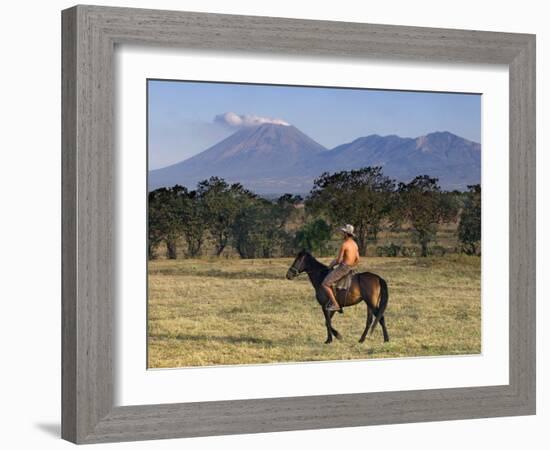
<point>425,206</point>
<point>258,230</point>
<point>314,236</point>
<point>158,216</point>
<point>288,211</point>
<point>191,214</point>
<point>286,207</point>
<point>249,228</point>
<point>469,227</point>
<point>164,222</point>
<point>361,197</point>
<point>221,204</point>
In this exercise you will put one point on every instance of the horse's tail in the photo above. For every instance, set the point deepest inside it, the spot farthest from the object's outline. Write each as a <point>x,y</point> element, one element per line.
<point>382,303</point>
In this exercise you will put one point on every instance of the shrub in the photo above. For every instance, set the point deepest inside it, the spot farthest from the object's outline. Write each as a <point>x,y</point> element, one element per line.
<point>391,250</point>
<point>437,250</point>
<point>409,251</point>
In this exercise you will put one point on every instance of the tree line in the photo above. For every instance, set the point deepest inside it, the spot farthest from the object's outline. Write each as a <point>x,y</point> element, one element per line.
<point>228,215</point>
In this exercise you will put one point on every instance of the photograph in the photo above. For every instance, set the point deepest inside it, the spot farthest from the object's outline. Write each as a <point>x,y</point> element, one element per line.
<point>292,224</point>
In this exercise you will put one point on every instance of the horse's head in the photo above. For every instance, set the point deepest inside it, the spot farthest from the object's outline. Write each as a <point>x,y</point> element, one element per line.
<point>298,266</point>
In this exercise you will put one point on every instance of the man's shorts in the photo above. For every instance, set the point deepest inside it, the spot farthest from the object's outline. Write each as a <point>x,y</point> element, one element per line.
<point>339,272</point>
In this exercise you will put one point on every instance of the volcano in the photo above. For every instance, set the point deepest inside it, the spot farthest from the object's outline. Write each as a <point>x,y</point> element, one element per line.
<point>265,159</point>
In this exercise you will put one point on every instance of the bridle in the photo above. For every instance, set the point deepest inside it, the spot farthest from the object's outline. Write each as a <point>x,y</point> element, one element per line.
<point>294,271</point>
<point>297,272</point>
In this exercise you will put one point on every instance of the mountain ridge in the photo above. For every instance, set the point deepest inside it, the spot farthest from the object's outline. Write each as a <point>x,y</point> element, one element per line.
<point>276,159</point>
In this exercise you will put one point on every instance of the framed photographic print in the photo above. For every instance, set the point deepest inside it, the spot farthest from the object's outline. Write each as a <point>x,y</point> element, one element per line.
<point>267,222</point>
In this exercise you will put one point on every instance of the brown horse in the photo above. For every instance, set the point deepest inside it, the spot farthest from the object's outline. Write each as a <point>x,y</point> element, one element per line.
<point>365,286</point>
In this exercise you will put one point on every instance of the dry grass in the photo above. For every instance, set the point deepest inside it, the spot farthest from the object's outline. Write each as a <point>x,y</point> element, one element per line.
<point>210,312</point>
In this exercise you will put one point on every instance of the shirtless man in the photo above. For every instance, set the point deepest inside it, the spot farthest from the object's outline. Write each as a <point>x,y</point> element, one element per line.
<point>348,258</point>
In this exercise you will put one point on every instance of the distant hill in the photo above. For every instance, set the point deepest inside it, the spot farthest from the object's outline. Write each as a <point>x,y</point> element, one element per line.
<point>276,159</point>
<point>454,160</point>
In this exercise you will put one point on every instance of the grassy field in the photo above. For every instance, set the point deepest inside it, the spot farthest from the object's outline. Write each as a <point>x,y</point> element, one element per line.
<point>220,311</point>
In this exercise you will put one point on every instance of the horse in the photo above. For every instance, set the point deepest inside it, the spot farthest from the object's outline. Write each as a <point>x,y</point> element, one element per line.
<point>365,286</point>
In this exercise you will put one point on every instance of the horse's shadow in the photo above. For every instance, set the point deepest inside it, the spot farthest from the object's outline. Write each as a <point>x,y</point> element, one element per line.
<point>225,339</point>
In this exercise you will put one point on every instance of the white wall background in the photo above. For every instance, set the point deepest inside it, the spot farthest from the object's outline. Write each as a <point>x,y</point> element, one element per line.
<point>31,208</point>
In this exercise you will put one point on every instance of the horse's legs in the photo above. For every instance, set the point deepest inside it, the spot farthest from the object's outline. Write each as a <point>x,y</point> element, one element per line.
<point>369,322</point>
<point>334,330</point>
<point>331,331</point>
<point>384,329</point>
<point>328,325</point>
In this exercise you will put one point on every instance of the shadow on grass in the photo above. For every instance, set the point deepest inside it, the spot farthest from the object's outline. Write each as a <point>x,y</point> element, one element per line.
<point>224,339</point>
<point>215,273</point>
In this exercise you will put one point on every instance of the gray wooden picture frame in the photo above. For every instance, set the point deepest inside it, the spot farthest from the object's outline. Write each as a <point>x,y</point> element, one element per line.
<point>90,34</point>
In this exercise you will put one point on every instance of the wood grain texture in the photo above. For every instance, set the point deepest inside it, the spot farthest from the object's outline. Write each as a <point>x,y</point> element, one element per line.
<point>87,206</point>
<point>68,225</point>
<point>89,36</point>
<point>522,282</point>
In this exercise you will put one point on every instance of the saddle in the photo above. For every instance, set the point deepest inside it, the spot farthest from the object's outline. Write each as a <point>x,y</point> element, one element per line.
<point>345,282</point>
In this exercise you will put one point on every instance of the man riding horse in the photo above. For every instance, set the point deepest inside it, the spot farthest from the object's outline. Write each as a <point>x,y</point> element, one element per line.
<point>345,262</point>
<point>364,286</point>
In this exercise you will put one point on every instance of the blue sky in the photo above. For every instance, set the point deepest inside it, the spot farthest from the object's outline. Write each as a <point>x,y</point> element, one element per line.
<point>182,114</point>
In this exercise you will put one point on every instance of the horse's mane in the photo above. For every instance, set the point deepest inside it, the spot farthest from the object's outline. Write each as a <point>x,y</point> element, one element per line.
<point>314,261</point>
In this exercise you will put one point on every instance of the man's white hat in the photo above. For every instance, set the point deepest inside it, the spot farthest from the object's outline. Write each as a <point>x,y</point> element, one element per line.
<point>348,229</point>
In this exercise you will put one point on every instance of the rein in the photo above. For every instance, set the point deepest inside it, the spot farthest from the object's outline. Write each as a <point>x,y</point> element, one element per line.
<point>296,272</point>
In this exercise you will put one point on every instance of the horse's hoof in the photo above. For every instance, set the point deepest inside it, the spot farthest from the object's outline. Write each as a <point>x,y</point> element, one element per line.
<point>386,340</point>
<point>338,336</point>
<point>328,341</point>
<point>361,340</point>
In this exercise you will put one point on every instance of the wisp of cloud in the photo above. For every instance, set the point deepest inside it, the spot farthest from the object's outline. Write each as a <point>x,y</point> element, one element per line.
<point>235,120</point>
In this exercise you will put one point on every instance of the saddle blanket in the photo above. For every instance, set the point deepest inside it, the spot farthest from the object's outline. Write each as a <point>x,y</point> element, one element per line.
<point>345,282</point>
